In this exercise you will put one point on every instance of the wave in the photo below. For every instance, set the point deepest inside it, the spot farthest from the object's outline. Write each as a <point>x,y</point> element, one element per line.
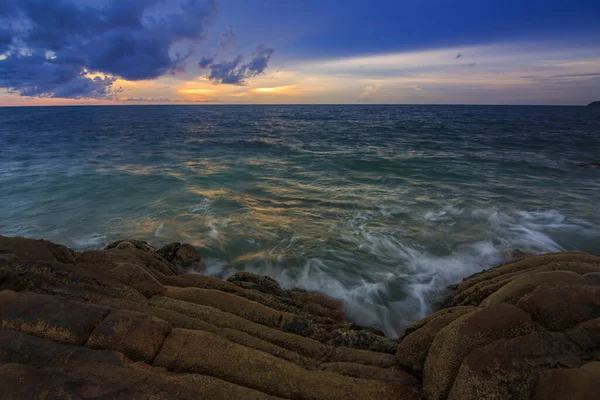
<point>388,281</point>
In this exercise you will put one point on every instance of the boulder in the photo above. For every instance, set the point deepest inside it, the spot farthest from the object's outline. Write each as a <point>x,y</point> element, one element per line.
<point>561,308</point>
<point>509,368</point>
<point>138,278</point>
<point>138,336</point>
<point>569,384</point>
<point>362,339</point>
<point>184,256</point>
<point>412,351</point>
<point>49,317</point>
<point>592,278</point>
<point>124,244</point>
<point>587,337</point>
<point>249,280</point>
<point>227,302</point>
<point>522,285</point>
<point>203,353</point>
<point>454,342</point>
<point>38,250</point>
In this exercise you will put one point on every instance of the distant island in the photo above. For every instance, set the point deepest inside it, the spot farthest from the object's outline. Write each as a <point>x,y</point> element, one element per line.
<point>594,104</point>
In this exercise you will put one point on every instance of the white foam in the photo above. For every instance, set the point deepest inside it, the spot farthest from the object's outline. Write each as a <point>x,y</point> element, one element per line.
<point>389,280</point>
<point>91,241</point>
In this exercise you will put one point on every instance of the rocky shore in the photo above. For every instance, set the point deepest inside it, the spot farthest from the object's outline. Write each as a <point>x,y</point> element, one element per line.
<point>135,322</point>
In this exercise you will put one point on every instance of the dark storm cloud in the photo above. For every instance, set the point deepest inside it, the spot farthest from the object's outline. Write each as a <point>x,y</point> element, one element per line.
<point>36,75</point>
<point>236,71</point>
<point>51,45</point>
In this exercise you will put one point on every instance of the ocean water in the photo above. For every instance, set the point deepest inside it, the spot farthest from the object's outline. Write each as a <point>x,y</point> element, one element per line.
<point>380,206</point>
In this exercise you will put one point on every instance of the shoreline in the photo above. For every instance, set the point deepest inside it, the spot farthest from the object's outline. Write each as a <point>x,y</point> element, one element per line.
<point>142,322</point>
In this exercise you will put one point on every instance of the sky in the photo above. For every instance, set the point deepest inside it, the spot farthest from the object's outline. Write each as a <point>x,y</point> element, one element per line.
<point>115,52</point>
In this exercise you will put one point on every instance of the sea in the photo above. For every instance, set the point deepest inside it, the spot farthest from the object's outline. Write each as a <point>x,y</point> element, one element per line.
<point>381,207</point>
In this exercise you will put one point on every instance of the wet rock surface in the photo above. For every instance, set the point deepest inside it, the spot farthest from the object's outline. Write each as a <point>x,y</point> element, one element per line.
<point>131,321</point>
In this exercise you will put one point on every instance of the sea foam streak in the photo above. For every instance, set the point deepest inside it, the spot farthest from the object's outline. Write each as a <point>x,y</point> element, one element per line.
<point>404,281</point>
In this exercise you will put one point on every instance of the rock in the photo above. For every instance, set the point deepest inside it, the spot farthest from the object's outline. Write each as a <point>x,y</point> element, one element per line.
<point>454,342</point>
<point>125,323</point>
<point>249,280</point>
<point>569,384</point>
<point>49,317</point>
<point>185,256</point>
<point>592,278</point>
<point>98,322</point>
<point>561,308</point>
<point>138,336</point>
<point>10,280</point>
<point>594,104</point>
<point>388,375</point>
<point>227,302</point>
<point>528,263</point>
<point>124,244</point>
<point>25,382</point>
<point>587,337</point>
<point>138,278</point>
<point>207,354</point>
<point>412,351</point>
<point>362,339</point>
<point>522,285</point>
<point>515,254</point>
<point>509,368</point>
<point>38,250</point>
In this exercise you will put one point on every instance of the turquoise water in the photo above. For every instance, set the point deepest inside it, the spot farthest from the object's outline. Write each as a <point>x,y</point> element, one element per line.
<point>381,206</point>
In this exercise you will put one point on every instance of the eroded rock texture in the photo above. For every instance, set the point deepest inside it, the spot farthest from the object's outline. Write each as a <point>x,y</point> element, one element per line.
<point>131,322</point>
<point>527,329</point>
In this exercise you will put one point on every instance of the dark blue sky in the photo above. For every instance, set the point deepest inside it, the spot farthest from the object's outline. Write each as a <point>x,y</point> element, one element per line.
<point>309,29</point>
<point>304,51</point>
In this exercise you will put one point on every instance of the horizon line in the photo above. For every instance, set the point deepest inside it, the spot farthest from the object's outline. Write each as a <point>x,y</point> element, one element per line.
<point>291,104</point>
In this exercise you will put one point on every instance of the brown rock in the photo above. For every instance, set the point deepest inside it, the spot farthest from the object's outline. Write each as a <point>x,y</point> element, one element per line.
<point>424,321</point>
<point>26,382</point>
<point>592,278</point>
<point>387,375</point>
<point>124,244</point>
<point>75,372</point>
<point>249,280</point>
<point>204,353</point>
<point>138,336</point>
<point>412,351</point>
<point>561,308</point>
<point>31,249</point>
<point>509,369</point>
<point>138,278</point>
<point>10,280</point>
<point>73,281</point>
<point>519,287</point>
<point>515,254</point>
<point>210,282</point>
<point>587,337</point>
<point>242,307</point>
<point>529,263</point>
<point>569,384</point>
<point>49,317</point>
<point>454,342</point>
<point>184,256</point>
<point>362,339</point>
